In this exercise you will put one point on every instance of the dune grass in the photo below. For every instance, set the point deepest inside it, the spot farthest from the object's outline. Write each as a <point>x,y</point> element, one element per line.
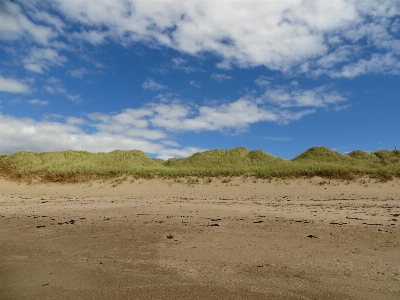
<point>78,166</point>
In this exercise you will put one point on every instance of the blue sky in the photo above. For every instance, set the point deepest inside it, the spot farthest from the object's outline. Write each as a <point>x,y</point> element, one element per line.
<point>172,78</point>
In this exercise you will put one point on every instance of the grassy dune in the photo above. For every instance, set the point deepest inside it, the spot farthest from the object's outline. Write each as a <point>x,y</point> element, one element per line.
<point>73,166</point>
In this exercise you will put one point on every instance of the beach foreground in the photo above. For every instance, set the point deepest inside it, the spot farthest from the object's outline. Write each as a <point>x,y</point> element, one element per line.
<point>219,238</point>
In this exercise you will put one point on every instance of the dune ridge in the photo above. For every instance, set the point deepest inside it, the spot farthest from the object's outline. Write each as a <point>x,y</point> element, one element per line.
<point>76,166</point>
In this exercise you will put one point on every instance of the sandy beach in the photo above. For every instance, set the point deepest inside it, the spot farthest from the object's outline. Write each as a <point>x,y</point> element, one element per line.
<point>237,238</point>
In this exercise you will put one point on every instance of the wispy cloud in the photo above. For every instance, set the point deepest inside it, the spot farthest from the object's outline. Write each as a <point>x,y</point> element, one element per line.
<point>220,77</point>
<point>179,63</point>
<point>78,73</point>
<point>150,84</point>
<point>75,120</point>
<point>38,102</point>
<point>74,98</point>
<point>41,59</point>
<point>195,83</point>
<point>152,127</point>
<point>321,37</point>
<point>11,85</point>
<point>378,63</point>
<point>289,96</point>
<point>54,85</point>
<point>16,25</point>
<point>278,139</point>
<point>263,81</point>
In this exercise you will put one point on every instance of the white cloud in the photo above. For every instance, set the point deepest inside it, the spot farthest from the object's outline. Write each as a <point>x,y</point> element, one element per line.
<point>195,83</point>
<point>41,59</point>
<point>169,116</point>
<point>220,77</point>
<point>27,134</point>
<point>75,120</point>
<point>131,122</point>
<point>151,128</point>
<point>263,81</point>
<point>282,35</point>
<point>279,139</point>
<point>316,37</point>
<point>30,135</point>
<point>339,55</point>
<point>376,64</point>
<point>225,64</point>
<point>54,85</point>
<point>38,102</point>
<point>150,84</point>
<point>15,25</point>
<point>395,27</point>
<point>240,114</point>
<point>184,152</point>
<point>292,96</point>
<point>15,86</point>
<point>179,63</point>
<point>322,15</point>
<point>74,98</point>
<point>168,97</point>
<point>249,33</point>
<point>92,36</point>
<point>16,100</point>
<point>78,73</point>
<point>170,143</point>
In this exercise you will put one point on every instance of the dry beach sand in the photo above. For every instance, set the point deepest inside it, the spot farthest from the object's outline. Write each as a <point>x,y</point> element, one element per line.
<point>238,239</point>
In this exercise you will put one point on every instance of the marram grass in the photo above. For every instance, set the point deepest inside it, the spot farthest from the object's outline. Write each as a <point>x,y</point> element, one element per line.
<point>77,166</point>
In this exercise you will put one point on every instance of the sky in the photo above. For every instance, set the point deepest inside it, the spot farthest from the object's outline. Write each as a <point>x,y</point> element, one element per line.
<point>175,77</point>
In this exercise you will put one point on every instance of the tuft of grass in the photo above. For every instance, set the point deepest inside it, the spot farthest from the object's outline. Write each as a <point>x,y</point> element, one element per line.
<point>323,182</point>
<point>118,181</point>
<point>208,180</point>
<point>191,181</point>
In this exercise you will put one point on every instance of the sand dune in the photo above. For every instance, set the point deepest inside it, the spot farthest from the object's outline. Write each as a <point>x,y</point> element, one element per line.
<point>162,239</point>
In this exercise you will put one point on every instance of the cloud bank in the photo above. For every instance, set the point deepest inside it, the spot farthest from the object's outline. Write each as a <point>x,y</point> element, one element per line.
<point>313,37</point>
<point>152,127</point>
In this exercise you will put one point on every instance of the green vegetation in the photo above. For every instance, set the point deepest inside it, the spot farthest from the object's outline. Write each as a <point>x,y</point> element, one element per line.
<point>78,166</point>
<point>226,180</point>
<point>323,182</point>
<point>191,181</point>
<point>118,181</point>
